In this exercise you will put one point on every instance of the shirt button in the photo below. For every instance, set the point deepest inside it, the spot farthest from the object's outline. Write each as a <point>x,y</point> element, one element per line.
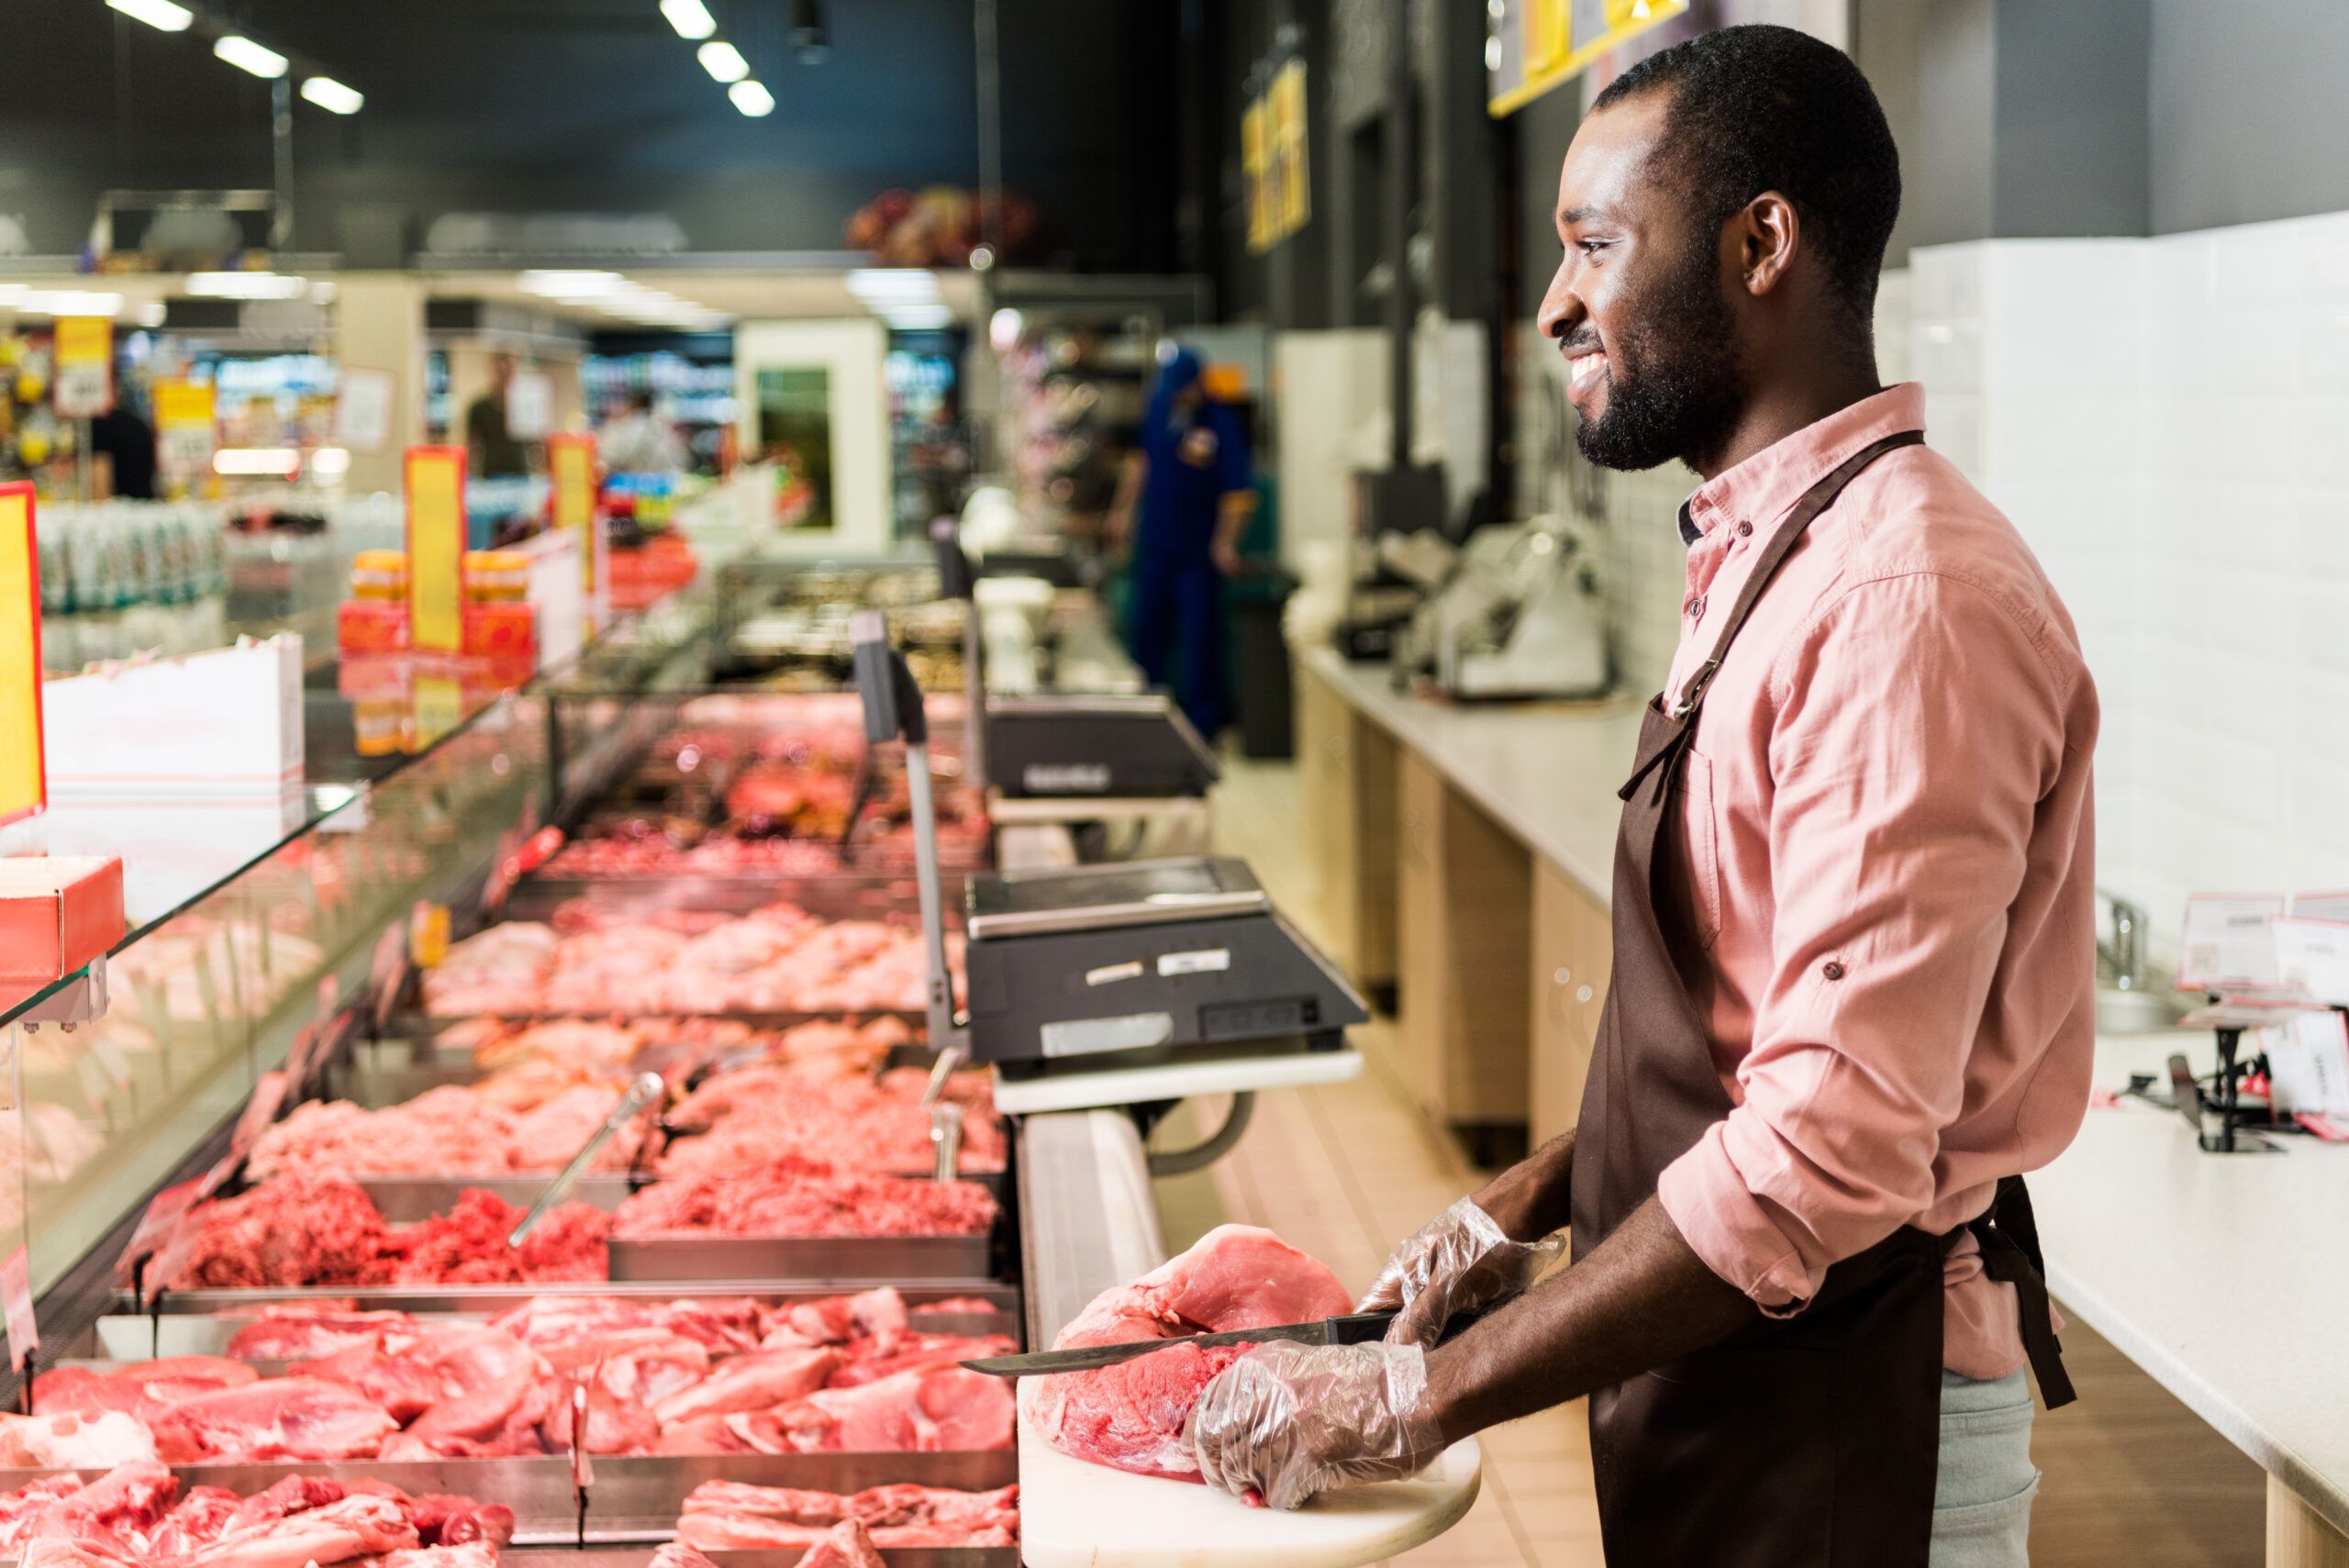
<point>1697,608</point>
<point>1744,529</point>
<point>1833,970</point>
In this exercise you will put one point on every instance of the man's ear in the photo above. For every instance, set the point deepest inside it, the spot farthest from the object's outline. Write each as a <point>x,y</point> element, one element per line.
<point>1768,233</point>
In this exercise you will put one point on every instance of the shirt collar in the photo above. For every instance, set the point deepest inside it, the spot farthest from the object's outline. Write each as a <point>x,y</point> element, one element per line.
<point>1766,485</point>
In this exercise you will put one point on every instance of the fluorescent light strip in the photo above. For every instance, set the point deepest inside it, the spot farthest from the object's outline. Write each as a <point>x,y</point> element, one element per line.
<point>333,97</point>
<point>281,460</point>
<point>247,55</point>
<point>57,301</point>
<point>245,285</point>
<point>752,99</point>
<point>159,14</point>
<point>723,60</point>
<point>690,18</point>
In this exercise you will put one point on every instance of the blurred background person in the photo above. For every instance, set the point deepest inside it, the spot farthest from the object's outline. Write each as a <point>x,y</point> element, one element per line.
<point>634,441</point>
<point>488,438</point>
<point>1183,500</point>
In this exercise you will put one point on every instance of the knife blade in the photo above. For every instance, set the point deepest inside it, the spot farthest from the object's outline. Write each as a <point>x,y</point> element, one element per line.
<point>1353,1329</point>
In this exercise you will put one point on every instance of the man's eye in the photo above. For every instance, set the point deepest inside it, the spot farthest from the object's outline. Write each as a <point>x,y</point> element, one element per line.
<point>1590,247</point>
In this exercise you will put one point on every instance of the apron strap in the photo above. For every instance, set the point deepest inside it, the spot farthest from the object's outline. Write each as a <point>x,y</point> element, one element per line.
<point>2009,1233</point>
<point>1815,500</point>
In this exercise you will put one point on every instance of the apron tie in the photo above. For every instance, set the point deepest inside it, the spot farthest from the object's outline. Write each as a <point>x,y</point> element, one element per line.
<point>2009,1233</point>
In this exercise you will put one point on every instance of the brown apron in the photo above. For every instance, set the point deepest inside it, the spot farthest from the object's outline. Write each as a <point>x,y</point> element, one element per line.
<point>1810,1440</point>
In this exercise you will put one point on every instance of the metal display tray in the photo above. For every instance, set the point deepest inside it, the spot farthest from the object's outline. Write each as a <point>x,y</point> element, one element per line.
<point>201,1323</point>
<point>633,1499</point>
<point>402,1200</point>
<point>700,1259</point>
<point>638,1557</point>
<point>836,895</point>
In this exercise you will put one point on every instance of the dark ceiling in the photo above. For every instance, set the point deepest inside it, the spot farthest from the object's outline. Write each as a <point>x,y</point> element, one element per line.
<point>568,105</point>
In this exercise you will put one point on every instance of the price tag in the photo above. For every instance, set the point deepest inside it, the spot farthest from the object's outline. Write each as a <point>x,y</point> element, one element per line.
<point>17,1304</point>
<point>24,770</point>
<point>2309,1058</point>
<point>185,432</point>
<point>2320,907</point>
<point>2228,945</point>
<point>571,464</point>
<point>155,1227</point>
<point>260,1111</point>
<point>84,387</point>
<point>389,973</point>
<point>436,549</point>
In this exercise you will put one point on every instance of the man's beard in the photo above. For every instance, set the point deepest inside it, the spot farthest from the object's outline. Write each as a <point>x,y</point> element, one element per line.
<point>1674,384</point>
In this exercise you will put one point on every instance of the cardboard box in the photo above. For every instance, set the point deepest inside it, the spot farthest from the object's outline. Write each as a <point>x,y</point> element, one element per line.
<point>57,913</point>
<point>224,722</point>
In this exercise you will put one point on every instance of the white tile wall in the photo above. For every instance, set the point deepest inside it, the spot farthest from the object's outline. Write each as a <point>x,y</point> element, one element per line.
<point>2167,423</point>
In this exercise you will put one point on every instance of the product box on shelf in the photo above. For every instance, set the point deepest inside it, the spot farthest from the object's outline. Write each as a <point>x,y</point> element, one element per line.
<point>57,913</point>
<point>371,626</point>
<point>223,722</point>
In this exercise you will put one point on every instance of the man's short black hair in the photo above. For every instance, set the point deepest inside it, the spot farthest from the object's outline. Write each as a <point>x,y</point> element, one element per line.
<point>1761,108</point>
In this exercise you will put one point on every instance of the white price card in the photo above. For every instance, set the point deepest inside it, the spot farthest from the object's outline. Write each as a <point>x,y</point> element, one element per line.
<point>2308,1062</point>
<point>2312,957</point>
<point>17,1305</point>
<point>2228,945</point>
<point>2320,907</point>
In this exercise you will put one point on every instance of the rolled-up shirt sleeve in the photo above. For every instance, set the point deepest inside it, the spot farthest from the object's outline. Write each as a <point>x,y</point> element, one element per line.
<point>1917,729</point>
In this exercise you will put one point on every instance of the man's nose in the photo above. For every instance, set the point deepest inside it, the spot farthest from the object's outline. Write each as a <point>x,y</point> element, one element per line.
<point>1562,309</point>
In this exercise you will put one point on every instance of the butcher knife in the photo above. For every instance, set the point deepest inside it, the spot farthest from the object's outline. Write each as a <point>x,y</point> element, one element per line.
<point>1353,1329</point>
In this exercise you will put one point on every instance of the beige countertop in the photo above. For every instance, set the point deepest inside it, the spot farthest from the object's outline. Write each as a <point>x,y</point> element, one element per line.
<point>2225,1276</point>
<point>1546,772</point>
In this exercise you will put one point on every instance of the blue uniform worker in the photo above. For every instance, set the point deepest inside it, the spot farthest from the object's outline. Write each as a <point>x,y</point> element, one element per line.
<point>1186,490</point>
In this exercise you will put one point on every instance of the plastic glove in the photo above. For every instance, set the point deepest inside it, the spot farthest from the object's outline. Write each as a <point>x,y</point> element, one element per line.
<point>1460,1259</point>
<point>1285,1421</point>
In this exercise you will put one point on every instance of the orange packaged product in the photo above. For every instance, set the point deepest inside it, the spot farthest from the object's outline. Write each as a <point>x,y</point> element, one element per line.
<point>371,626</point>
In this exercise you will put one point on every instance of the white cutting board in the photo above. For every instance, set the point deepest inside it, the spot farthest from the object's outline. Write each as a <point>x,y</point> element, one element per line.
<point>1074,1515</point>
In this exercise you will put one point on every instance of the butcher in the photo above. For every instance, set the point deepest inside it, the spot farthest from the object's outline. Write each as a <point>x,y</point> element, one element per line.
<point>1854,923</point>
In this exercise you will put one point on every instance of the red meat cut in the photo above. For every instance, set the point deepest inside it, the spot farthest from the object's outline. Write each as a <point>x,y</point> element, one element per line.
<point>928,1411</point>
<point>845,1545</point>
<point>291,1418</point>
<point>722,1516</point>
<point>1130,1416</point>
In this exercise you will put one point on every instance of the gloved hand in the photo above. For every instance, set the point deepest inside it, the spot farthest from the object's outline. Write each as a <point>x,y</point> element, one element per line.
<point>1285,1421</point>
<point>1460,1259</point>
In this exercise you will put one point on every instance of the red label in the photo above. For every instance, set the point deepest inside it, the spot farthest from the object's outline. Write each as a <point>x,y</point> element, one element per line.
<point>155,1226</point>
<point>16,1303</point>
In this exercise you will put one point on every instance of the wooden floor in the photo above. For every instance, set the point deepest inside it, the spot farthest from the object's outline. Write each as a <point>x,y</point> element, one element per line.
<point>2132,1476</point>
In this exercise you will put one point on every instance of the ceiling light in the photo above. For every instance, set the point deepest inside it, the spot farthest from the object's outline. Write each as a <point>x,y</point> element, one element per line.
<point>330,463</point>
<point>565,283</point>
<point>283,461</point>
<point>752,99</point>
<point>333,97</point>
<point>247,55</point>
<point>690,18</point>
<point>881,286</point>
<point>918,318</point>
<point>57,301</point>
<point>723,60</point>
<point>161,14</point>
<point>245,285</point>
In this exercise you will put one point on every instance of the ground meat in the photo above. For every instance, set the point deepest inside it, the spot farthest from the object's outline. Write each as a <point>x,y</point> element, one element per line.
<point>297,1232</point>
<point>793,1196</point>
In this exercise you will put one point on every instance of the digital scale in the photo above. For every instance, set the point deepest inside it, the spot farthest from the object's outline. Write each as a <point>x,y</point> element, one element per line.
<point>1095,747</point>
<point>1127,984</point>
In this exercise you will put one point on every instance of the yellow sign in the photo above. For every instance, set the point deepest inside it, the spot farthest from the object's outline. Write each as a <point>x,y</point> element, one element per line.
<point>436,549</point>
<point>1254,164</point>
<point>81,386</point>
<point>24,772</point>
<point>186,435</point>
<point>1272,157</point>
<point>1288,146</point>
<point>571,462</point>
<point>1535,45</point>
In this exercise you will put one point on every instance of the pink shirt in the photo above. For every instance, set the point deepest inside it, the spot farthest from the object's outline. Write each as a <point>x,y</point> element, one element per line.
<point>1889,846</point>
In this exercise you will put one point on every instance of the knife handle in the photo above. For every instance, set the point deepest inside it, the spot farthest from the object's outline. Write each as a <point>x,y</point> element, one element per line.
<point>1362,1327</point>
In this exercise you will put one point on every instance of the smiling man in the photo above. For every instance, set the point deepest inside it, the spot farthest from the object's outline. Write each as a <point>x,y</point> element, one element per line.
<point>1853,945</point>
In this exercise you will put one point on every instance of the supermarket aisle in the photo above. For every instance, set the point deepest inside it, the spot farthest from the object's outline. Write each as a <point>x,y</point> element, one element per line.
<point>1346,1170</point>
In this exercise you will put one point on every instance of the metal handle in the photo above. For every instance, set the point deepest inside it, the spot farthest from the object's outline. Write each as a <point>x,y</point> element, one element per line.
<point>950,1061</point>
<point>946,1137</point>
<point>639,1094</point>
